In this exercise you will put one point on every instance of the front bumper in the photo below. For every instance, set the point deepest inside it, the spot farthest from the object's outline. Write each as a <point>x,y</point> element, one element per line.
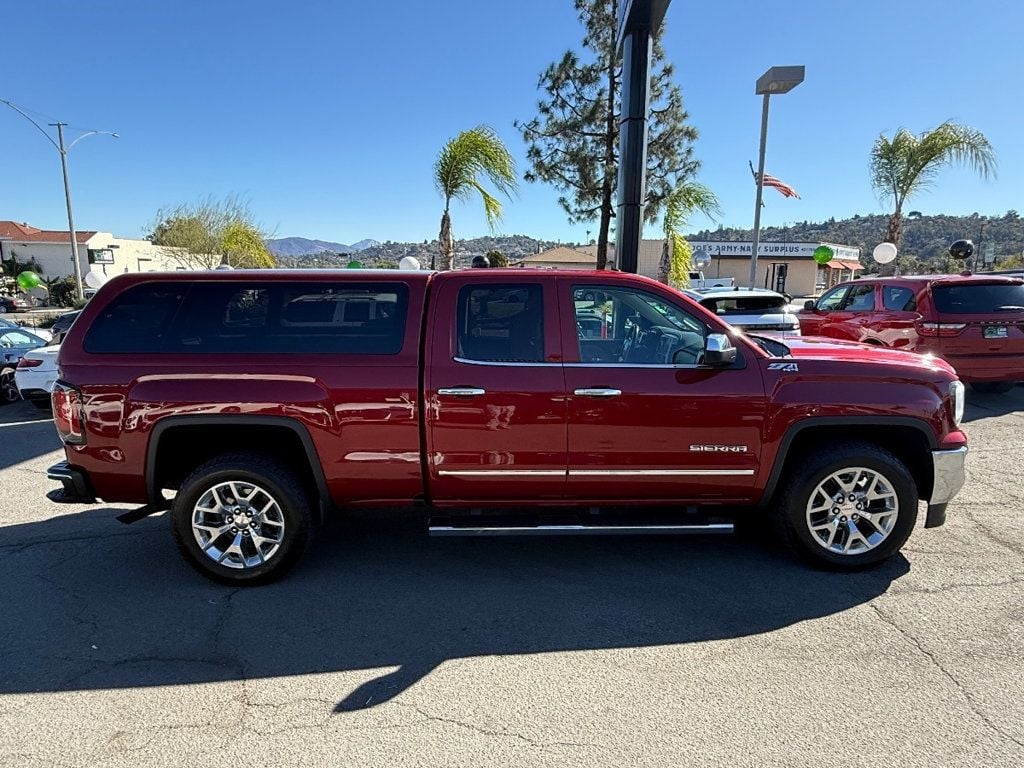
<point>949,476</point>
<point>75,486</point>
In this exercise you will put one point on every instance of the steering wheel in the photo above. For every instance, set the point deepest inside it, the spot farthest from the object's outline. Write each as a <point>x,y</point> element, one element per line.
<point>651,341</point>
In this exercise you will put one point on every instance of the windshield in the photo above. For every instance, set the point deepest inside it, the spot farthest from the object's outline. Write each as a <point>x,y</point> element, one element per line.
<point>740,305</point>
<point>978,299</point>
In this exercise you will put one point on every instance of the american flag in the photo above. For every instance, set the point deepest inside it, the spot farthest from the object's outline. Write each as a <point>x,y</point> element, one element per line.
<point>770,181</point>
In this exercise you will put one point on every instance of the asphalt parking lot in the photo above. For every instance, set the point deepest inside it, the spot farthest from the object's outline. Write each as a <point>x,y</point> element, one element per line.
<point>387,648</point>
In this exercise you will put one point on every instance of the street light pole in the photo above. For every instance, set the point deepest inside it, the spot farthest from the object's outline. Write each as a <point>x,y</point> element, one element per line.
<point>79,290</point>
<point>59,146</point>
<point>760,191</point>
<point>775,80</point>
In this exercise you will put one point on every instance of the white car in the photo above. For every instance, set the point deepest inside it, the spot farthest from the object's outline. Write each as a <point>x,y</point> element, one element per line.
<point>750,309</point>
<point>36,374</point>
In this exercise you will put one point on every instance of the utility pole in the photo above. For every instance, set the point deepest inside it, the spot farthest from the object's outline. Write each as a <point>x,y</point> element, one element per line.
<point>71,218</point>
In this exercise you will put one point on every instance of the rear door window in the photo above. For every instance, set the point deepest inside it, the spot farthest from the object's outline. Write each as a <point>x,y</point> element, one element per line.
<point>898,299</point>
<point>501,323</point>
<point>975,299</point>
<point>740,305</point>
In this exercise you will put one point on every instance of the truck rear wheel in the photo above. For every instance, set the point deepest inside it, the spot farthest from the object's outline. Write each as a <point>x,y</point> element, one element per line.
<point>847,507</point>
<point>241,519</point>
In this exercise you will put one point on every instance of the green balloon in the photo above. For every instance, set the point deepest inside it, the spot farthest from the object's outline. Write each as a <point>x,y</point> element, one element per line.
<point>355,264</point>
<point>28,280</point>
<point>823,254</point>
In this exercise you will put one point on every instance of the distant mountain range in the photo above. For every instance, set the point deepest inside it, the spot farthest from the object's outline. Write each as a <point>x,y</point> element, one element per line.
<point>302,246</point>
<point>374,254</point>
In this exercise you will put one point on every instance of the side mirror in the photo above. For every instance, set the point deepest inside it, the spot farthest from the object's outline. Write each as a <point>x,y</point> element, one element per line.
<point>809,305</point>
<point>718,350</point>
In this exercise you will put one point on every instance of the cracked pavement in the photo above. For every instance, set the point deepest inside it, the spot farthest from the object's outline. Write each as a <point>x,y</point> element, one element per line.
<point>389,648</point>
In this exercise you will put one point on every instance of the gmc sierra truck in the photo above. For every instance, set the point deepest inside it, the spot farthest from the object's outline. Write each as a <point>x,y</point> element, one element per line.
<point>250,405</point>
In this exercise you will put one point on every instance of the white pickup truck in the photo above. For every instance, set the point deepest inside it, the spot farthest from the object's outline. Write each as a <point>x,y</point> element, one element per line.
<point>698,281</point>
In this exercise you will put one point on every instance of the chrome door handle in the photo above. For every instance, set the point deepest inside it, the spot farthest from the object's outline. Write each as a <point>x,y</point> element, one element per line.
<point>598,392</point>
<point>462,391</point>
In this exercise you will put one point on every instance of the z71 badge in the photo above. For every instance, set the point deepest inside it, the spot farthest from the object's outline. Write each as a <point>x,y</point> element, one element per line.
<point>789,367</point>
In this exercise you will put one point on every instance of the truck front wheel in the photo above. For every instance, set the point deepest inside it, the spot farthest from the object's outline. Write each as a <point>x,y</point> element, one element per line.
<point>847,507</point>
<point>241,519</point>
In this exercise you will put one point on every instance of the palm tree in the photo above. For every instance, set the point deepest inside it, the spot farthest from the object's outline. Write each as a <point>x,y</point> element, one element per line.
<point>906,164</point>
<point>681,203</point>
<point>463,161</point>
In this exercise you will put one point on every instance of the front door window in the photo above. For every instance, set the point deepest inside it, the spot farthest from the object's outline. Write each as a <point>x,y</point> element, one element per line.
<point>831,300</point>
<point>634,327</point>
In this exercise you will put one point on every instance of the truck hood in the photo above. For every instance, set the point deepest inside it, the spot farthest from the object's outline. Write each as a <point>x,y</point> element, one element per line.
<point>810,347</point>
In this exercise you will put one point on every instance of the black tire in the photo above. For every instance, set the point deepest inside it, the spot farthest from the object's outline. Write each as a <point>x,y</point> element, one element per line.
<point>993,387</point>
<point>789,506</point>
<point>281,483</point>
<point>8,388</point>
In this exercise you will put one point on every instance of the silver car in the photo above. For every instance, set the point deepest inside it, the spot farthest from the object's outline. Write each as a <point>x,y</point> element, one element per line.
<point>750,309</point>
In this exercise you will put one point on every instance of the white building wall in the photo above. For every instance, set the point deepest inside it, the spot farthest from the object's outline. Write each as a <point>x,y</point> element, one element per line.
<point>54,259</point>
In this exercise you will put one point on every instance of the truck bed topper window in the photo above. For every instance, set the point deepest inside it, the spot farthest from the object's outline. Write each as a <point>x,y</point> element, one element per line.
<point>225,317</point>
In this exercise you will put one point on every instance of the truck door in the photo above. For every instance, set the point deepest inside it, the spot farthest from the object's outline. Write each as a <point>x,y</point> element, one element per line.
<point>648,422</point>
<point>494,390</point>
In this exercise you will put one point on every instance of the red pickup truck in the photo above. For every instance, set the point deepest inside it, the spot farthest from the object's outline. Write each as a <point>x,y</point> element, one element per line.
<point>264,400</point>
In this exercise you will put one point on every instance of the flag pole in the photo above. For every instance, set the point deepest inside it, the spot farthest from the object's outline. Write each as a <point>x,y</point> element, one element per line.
<point>760,191</point>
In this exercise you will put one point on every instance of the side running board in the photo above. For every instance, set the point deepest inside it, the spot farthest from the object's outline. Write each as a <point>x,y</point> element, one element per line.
<point>480,528</point>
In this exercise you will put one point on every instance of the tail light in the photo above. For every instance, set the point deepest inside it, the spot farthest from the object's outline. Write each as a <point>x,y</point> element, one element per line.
<point>27,362</point>
<point>67,414</point>
<point>940,330</point>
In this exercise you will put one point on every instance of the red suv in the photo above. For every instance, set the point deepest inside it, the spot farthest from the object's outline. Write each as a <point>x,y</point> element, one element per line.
<point>973,322</point>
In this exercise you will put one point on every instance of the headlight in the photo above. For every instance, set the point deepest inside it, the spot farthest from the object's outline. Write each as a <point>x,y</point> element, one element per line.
<point>956,391</point>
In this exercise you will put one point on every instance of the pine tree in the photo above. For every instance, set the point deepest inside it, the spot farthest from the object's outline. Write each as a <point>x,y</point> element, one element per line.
<point>573,142</point>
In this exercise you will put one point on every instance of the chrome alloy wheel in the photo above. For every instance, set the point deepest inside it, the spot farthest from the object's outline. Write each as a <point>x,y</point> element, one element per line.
<point>852,511</point>
<point>238,524</point>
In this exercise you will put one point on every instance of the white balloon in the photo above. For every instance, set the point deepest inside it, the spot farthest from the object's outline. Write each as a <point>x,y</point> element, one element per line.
<point>409,262</point>
<point>95,279</point>
<point>884,253</point>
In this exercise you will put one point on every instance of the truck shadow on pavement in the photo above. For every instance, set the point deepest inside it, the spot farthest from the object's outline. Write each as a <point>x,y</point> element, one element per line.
<point>91,604</point>
<point>988,406</point>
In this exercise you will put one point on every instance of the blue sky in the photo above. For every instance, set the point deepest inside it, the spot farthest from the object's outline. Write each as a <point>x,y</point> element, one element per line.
<point>327,115</point>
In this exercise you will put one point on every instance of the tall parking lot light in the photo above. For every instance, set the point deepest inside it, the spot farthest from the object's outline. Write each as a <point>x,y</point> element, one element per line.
<point>775,81</point>
<point>63,150</point>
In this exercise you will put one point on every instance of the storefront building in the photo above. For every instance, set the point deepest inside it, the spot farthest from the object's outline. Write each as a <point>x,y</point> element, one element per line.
<point>783,267</point>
